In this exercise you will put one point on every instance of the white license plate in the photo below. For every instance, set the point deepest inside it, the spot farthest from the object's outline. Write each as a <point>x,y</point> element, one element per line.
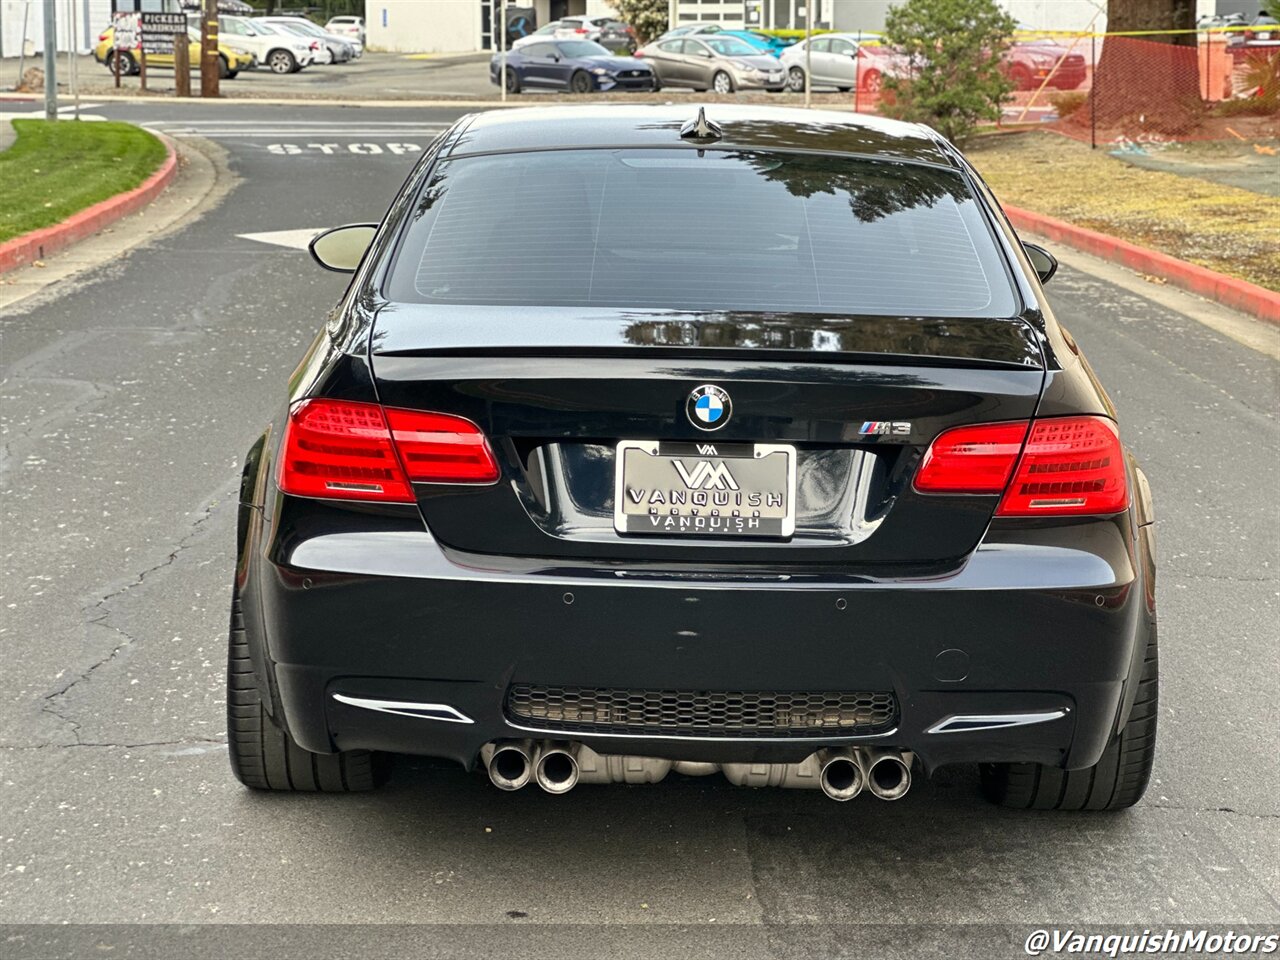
<point>666,488</point>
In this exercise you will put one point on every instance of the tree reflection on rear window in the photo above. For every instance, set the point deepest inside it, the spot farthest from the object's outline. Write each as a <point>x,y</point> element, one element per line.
<point>706,230</point>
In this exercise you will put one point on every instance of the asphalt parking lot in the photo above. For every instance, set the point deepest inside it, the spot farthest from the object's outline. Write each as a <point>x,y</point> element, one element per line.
<point>130,396</point>
<point>389,76</point>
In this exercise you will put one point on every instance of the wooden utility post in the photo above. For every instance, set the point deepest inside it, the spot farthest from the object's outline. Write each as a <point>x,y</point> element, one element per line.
<point>209,49</point>
<point>181,65</point>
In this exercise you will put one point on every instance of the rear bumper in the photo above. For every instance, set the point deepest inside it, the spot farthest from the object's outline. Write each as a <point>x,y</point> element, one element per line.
<point>1047,623</point>
<point>761,82</point>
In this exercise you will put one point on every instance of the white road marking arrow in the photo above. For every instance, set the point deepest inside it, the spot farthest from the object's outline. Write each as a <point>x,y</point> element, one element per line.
<point>293,239</point>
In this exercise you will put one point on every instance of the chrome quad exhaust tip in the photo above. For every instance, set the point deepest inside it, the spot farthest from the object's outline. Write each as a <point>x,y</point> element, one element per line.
<point>843,774</point>
<point>555,766</point>
<point>888,774</point>
<point>509,762</point>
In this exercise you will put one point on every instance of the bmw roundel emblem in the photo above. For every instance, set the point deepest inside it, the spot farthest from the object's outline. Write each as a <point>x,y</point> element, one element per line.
<point>709,407</point>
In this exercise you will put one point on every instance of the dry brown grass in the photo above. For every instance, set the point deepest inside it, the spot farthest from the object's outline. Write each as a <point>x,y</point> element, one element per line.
<point>1233,231</point>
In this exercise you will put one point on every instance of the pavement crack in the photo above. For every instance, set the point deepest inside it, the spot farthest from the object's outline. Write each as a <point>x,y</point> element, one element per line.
<point>98,614</point>
<point>1230,810</point>
<point>15,435</point>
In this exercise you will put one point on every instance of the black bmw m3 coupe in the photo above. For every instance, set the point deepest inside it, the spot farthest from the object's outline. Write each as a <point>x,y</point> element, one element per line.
<point>649,440</point>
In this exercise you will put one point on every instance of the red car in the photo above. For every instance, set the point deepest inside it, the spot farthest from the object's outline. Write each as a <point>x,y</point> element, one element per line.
<point>1028,63</point>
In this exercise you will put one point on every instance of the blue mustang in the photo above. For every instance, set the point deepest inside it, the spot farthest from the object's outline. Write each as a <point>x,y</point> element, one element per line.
<point>577,65</point>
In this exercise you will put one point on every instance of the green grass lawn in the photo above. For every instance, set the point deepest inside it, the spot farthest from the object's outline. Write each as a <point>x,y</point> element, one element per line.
<point>56,169</point>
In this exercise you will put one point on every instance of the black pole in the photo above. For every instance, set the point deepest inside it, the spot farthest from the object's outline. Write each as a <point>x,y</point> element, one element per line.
<point>1093,92</point>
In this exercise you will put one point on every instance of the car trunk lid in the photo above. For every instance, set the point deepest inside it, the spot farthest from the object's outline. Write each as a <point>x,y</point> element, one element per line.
<point>859,400</point>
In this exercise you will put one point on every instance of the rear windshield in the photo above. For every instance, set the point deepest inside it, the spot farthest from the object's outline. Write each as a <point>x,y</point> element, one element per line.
<point>701,230</point>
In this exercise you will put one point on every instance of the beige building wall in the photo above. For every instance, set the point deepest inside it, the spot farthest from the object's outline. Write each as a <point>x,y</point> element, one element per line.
<point>423,26</point>
<point>450,26</point>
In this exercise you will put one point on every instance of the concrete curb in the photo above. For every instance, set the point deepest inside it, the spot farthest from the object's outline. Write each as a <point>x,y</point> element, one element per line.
<point>39,244</point>
<point>1228,291</point>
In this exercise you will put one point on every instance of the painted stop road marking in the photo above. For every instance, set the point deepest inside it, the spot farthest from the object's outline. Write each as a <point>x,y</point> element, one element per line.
<point>330,149</point>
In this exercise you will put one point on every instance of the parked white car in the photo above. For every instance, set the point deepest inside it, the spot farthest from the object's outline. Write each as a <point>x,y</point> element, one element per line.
<point>548,31</point>
<point>276,49</point>
<point>334,49</point>
<point>350,27</point>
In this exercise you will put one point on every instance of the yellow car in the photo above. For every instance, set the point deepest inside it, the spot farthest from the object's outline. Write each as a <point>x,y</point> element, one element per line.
<point>230,62</point>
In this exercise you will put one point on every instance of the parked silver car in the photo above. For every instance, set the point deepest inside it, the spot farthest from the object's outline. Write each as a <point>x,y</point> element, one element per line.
<point>843,61</point>
<point>722,64</point>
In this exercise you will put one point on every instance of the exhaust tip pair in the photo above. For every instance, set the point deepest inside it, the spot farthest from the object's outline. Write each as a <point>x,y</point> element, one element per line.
<point>845,773</point>
<point>513,763</point>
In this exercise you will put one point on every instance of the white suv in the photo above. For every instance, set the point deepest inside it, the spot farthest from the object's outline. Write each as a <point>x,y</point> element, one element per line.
<point>276,49</point>
<point>352,27</point>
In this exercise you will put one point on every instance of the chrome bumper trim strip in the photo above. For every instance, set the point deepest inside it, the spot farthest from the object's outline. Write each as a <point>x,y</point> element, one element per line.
<point>965,723</point>
<point>420,711</point>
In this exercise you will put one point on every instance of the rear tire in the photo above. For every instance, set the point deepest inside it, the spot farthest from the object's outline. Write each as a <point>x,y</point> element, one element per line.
<point>263,756</point>
<point>282,62</point>
<point>128,65</point>
<point>1116,781</point>
<point>224,69</point>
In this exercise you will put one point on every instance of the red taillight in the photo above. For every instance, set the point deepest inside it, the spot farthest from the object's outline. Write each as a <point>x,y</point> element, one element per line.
<point>438,448</point>
<point>973,459</point>
<point>582,30</point>
<point>1071,465</point>
<point>343,449</point>
<point>338,448</point>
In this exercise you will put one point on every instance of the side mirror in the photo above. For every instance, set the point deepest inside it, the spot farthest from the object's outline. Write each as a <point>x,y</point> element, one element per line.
<point>342,248</point>
<point>1046,263</point>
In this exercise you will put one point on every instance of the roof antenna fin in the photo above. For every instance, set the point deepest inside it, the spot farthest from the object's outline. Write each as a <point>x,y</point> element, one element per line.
<point>701,128</point>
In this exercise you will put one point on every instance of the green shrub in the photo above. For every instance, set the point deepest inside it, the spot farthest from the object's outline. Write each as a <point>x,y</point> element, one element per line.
<point>1262,80</point>
<point>792,35</point>
<point>649,18</point>
<point>955,48</point>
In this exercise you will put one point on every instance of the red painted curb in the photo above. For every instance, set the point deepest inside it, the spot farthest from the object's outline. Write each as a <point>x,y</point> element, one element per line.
<point>1230,292</point>
<point>39,244</point>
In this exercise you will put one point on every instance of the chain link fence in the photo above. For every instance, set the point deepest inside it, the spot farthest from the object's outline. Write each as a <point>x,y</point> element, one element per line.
<point>1117,88</point>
